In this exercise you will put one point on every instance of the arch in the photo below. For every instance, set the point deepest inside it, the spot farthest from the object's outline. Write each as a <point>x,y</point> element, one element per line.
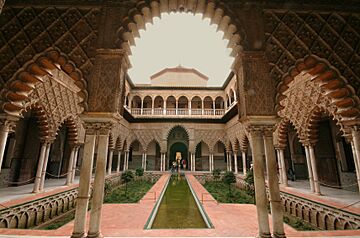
<point>158,102</point>
<point>134,141</point>
<point>337,224</point>
<point>231,96</point>
<point>182,127</point>
<point>17,92</point>
<point>118,144</point>
<point>208,103</point>
<point>170,102</point>
<point>196,103</point>
<point>153,140</point>
<point>136,102</point>
<point>199,144</point>
<point>330,92</point>
<point>183,102</point>
<point>219,103</point>
<point>111,141</point>
<point>147,102</point>
<point>220,140</point>
<point>347,226</point>
<point>145,11</point>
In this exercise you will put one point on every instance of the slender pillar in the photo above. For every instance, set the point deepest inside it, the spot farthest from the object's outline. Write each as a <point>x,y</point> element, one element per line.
<point>82,200</point>
<point>356,162</point>
<point>111,154</point>
<point>230,162</point>
<point>243,155</point>
<point>161,162</point>
<point>39,168</point>
<point>145,157</point>
<point>98,188</point>
<point>212,162</point>
<point>43,172</point>
<point>125,155</point>
<point>235,162</point>
<point>259,181</point>
<point>275,200</point>
<point>227,161</point>
<point>70,166</point>
<point>356,145</point>
<point>210,166</point>
<point>279,165</point>
<point>310,171</point>
<point>118,162</point>
<point>73,173</point>
<point>127,159</point>
<point>4,132</point>
<point>314,170</point>
<point>283,173</point>
<point>142,161</point>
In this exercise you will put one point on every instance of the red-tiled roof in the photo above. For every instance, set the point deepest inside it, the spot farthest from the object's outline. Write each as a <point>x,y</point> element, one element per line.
<point>179,69</point>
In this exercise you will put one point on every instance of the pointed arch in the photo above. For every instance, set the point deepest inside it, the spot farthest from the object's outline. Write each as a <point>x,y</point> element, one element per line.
<point>326,90</point>
<point>177,126</point>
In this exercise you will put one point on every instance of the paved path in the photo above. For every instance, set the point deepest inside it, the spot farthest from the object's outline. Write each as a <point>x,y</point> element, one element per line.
<point>128,220</point>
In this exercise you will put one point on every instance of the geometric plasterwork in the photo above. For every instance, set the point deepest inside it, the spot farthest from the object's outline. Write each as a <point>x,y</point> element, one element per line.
<point>292,35</point>
<point>28,31</point>
<point>210,137</point>
<point>59,100</point>
<point>308,91</point>
<point>302,97</point>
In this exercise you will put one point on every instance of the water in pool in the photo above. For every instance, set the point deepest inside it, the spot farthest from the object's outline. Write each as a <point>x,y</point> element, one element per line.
<point>178,208</point>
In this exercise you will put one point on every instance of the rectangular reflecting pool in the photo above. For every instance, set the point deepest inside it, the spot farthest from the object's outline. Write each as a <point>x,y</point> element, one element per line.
<point>179,207</point>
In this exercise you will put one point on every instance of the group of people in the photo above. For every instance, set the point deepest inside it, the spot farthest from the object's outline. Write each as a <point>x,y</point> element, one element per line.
<point>178,163</point>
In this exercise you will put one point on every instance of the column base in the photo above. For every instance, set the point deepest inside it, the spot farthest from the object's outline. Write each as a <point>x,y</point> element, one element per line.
<point>267,235</point>
<point>78,235</point>
<point>279,236</point>
<point>95,235</point>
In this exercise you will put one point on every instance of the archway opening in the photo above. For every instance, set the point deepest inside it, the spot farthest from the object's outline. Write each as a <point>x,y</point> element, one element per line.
<point>178,141</point>
<point>175,149</point>
<point>185,39</point>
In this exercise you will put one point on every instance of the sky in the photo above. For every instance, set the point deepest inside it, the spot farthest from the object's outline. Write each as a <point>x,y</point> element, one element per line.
<point>180,39</point>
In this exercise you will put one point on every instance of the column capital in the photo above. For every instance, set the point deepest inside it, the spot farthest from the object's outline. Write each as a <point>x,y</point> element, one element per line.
<point>7,124</point>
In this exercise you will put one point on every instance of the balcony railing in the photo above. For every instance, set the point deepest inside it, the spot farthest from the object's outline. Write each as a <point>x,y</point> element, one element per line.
<point>181,112</point>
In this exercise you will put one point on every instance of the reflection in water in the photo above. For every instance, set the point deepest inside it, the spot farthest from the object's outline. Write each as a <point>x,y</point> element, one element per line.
<point>178,208</point>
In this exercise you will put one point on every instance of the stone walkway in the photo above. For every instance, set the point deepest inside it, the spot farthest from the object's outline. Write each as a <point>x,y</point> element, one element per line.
<point>128,220</point>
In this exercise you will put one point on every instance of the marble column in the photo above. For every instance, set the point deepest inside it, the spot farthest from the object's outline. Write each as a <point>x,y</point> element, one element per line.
<point>243,155</point>
<point>314,170</point>
<point>356,151</point>
<point>82,201</point>
<point>4,132</point>
<point>125,155</point>
<point>357,168</point>
<point>70,166</point>
<point>43,172</point>
<point>74,164</point>
<point>127,159</point>
<point>118,161</point>
<point>227,161</point>
<point>284,177</point>
<point>98,187</point>
<point>273,182</point>
<point>210,170</point>
<point>235,162</point>
<point>111,154</point>
<point>230,161</point>
<point>37,181</point>
<point>309,167</point>
<point>259,181</point>
<point>279,165</point>
<point>145,157</point>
